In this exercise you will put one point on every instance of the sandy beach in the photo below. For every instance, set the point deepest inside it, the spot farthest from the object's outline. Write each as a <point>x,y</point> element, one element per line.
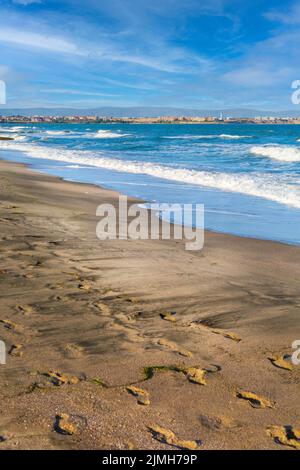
<point>139,344</point>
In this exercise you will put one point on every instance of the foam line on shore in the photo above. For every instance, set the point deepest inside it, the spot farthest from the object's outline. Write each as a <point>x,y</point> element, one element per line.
<point>266,186</point>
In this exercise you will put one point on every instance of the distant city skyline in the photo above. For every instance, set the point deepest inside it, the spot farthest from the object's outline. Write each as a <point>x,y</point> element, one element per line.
<point>147,112</point>
<point>213,55</point>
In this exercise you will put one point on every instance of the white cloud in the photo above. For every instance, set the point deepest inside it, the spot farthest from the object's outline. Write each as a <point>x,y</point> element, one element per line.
<point>171,60</point>
<point>292,16</point>
<point>40,41</point>
<point>144,61</point>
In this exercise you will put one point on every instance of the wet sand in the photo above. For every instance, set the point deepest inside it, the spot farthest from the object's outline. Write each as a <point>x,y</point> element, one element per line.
<point>139,344</point>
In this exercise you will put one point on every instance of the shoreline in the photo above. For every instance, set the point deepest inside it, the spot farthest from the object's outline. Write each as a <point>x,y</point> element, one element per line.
<point>134,199</point>
<point>95,312</point>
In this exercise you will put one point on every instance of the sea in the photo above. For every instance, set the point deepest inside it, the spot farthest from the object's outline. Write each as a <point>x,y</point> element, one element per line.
<point>247,176</point>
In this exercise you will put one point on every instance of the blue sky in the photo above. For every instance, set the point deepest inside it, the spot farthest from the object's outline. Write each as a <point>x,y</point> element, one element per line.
<point>196,54</point>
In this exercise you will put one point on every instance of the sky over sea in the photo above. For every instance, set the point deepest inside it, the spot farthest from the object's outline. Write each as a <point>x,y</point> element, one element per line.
<point>195,54</point>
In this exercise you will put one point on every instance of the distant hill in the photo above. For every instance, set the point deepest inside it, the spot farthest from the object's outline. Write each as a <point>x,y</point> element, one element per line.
<point>144,111</point>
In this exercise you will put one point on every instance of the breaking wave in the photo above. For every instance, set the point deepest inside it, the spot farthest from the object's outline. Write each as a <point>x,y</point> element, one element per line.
<point>266,186</point>
<point>105,134</point>
<point>283,153</point>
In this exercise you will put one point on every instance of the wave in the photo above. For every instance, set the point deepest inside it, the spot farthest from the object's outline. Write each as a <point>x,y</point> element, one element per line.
<point>18,128</point>
<point>12,130</point>
<point>58,132</point>
<point>189,136</point>
<point>262,186</point>
<point>101,134</point>
<point>105,134</point>
<point>234,137</point>
<point>209,136</point>
<point>282,153</point>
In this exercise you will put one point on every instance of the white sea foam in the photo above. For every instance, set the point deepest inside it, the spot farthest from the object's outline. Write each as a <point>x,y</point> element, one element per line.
<point>189,137</point>
<point>208,136</point>
<point>234,137</point>
<point>57,132</point>
<point>18,128</point>
<point>78,167</point>
<point>106,134</point>
<point>283,153</point>
<point>8,130</point>
<point>100,134</point>
<point>15,129</point>
<point>269,187</point>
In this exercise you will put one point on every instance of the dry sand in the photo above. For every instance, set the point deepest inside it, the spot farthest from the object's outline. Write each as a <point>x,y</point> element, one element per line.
<point>95,360</point>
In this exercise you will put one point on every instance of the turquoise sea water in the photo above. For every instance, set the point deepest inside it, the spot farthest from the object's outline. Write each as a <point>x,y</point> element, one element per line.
<point>247,176</point>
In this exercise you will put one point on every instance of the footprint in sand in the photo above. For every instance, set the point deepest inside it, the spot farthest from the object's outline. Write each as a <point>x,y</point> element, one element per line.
<point>218,423</point>
<point>281,363</point>
<point>16,350</point>
<point>196,375</point>
<point>174,347</point>
<point>59,298</point>
<point>141,395</point>
<point>285,435</point>
<point>255,400</point>
<point>11,326</point>
<point>109,294</point>
<point>25,309</point>
<point>85,285</point>
<point>228,335</point>
<point>167,436</point>
<point>168,316</point>
<point>58,378</point>
<point>5,436</point>
<point>125,318</point>
<point>73,351</point>
<point>127,298</point>
<point>63,425</point>
<point>102,308</point>
<point>193,374</point>
<point>225,334</point>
